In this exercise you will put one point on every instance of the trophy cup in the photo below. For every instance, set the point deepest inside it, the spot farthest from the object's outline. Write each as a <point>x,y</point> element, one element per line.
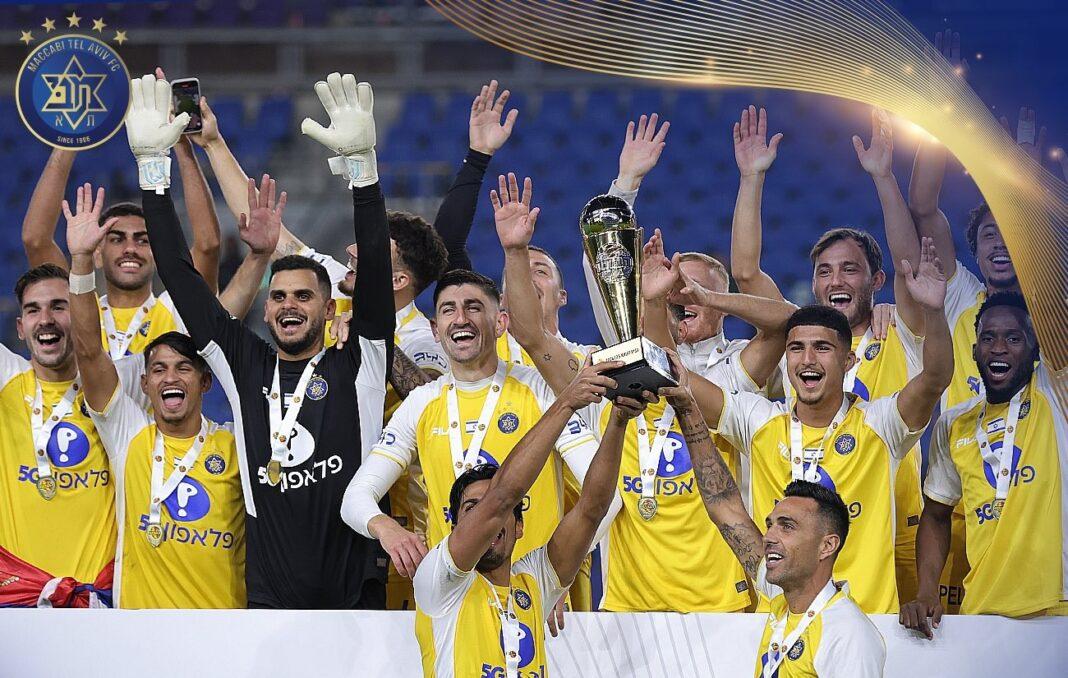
<point>613,243</point>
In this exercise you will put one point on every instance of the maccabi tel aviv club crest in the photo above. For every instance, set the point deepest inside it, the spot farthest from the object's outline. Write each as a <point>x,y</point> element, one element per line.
<point>73,89</point>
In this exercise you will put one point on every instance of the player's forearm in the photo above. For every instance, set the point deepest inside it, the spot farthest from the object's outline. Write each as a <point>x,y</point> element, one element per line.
<point>746,233</point>
<point>42,214</point>
<point>202,217</point>
<point>928,173</point>
<point>98,373</point>
<point>932,546</point>
<point>241,291</point>
<point>232,179</point>
<point>373,315</point>
<point>897,221</point>
<point>359,506</point>
<point>767,315</point>
<point>457,212</point>
<point>524,309</point>
<point>656,327</point>
<point>599,485</point>
<point>937,351</point>
<point>526,460</point>
<point>406,376</point>
<point>709,399</point>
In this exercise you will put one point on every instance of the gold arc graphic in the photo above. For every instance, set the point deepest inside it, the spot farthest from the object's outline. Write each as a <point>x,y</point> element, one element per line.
<point>860,50</point>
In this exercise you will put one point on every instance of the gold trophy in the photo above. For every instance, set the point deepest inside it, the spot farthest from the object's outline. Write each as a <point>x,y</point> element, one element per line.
<point>613,243</point>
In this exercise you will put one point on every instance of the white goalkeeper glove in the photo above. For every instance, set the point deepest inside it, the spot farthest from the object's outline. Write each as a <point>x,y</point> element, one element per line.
<point>151,131</point>
<point>351,133</point>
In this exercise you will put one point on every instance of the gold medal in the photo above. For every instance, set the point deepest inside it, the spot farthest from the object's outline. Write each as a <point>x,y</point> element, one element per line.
<point>154,533</point>
<point>647,507</point>
<point>274,472</point>
<point>46,486</point>
<point>997,507</point>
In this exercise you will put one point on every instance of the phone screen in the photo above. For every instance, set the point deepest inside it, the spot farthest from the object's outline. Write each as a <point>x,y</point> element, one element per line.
<point>187,100</point>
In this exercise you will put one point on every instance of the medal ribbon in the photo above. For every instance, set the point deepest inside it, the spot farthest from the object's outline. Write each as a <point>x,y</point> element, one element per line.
<point>281,429</point>
<point>119,342</point>
<point>462,460</point>
<point>510,631</point>
<point>779,646</point>
<point>799,455</point>
<point>1001,461</point>
<point>162,489</point>
<point>649,453</point>
<point>42,430</point>
<point>851,376</point>
<point>515,351</point>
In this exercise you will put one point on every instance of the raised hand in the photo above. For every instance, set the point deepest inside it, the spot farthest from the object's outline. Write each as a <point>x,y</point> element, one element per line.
<point>149,127</point>
<point>84,231</point>
<point>927,283</point>
<point>947,43</point>
<point>659,273</point>
<point>1030,137</point>
<point>209,133</point>
<point>642,146</point>
<point>350,107</point>
<point>588,386</point>
<point>878,159</point>
<point>512,213</point>
<point>752,152</point>
<point>260,228</point>
<point>687,291</point>
<point>485,131</point>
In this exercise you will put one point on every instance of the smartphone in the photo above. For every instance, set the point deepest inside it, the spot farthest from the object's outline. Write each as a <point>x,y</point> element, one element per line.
<point>186,93</point>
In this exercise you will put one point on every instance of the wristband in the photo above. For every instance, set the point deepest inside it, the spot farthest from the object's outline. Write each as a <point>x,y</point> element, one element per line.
<point>361,169</point>
<point>154,172</point>
<point>82,283</point>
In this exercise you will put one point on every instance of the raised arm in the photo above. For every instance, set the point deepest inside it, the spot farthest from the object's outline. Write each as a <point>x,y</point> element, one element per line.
<point>99,377</point>
<point>574,535</point>
<point>719,491</point>
<point>259,229</point>
<point>473,535</point>
<point>754,157</point>
<point>642,145</point>
<point>660,276</point>
<point>486,135</point>
<point>927,285</point>
<point>42,215</point>
<point>515,221</point>
<point>878,161</point>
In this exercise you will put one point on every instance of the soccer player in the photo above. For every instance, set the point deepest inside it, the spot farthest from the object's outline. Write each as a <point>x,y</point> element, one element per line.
<point>57,493</point>
<point>181,513</point>
<point>847,272</point>
<point>132,315</point>
<point>306,414</point>
<point>660,506</point>
<point>478,560</point>
<point>1003,458</point>
<point>869,438</point>
<point>814,626</point>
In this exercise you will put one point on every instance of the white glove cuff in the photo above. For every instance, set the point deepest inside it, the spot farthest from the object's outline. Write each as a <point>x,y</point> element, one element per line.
<point>360,169</point>
<point>154,172</point>
<point>82,283</point>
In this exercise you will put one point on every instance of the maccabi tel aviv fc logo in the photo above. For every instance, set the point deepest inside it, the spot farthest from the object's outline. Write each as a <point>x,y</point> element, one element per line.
<point>73,90</point>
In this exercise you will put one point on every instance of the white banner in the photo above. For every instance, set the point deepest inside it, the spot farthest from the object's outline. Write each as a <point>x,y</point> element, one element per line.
<point>324,644</point>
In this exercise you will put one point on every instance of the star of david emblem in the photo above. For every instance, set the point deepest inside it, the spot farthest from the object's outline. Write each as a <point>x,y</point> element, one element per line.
<point>74,93</point>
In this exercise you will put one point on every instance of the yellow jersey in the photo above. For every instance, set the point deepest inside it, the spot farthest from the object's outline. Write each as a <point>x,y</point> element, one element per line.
<point>73,534</point>
<point>964,295</point>
<point>858,462</point>
<point>1018,560</point>
<point>201,561</point>
<point>839,642</point>
<point>420,430</point>
<point>465,610</point>
<point>155,317</point>
<point>701,574</point>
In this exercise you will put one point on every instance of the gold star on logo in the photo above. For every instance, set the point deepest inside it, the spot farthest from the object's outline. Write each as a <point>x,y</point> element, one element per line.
<point>74,20</point>
<point>120,37</point>
<point>49,25</point>
<point>98,25</point>
<point>26,38</point>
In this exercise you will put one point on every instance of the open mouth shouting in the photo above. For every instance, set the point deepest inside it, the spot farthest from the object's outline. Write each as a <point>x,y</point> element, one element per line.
<point>173,397</point>
<point>463,337</point>
<point>772,558</point>
<point>48,337</point>
<point>1001,261</point>
<point>291,323</point>
<point>840,300</point>
<point>999,371</point>
<point>809,378</point>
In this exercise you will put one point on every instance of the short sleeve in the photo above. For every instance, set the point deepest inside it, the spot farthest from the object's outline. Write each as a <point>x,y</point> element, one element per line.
<point>943,483</point>
<point>11,365</point>
<point>911,344</point>
<point>851,646</point>
<point>743,415</point>
<point>426,353</point>
<point>118,423</point>
<point>885,419</point>
<point>730,375</point>
<point>398,440</point>
<point>130,369</point>
<point>537,565</point>
<point>961,293</point>
<point>439,585</point>
<point>168,303</point>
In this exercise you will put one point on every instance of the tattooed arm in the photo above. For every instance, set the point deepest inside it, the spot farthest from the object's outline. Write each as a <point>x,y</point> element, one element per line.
<point>406,376</point>
<point>719,491</point>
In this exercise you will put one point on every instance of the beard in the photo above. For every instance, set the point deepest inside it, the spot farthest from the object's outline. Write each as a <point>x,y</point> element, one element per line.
<point>299,344</point>
<point>490,560</point>
<point>1004,394</point>
<point>130,285</point>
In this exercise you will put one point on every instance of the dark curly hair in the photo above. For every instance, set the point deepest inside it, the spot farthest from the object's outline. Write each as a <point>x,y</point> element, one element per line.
<point>975,217</point>
<point>421,249</point>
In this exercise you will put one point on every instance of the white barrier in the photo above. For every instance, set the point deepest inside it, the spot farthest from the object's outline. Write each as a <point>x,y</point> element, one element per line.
<point>324,644</point>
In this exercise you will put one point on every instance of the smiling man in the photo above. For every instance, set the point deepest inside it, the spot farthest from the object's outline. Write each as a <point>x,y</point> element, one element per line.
<point>1002,458</point>
<point>837,439</point>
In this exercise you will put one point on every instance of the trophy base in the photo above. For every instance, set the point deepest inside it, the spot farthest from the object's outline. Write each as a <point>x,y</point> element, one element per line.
<point>646,367</point>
